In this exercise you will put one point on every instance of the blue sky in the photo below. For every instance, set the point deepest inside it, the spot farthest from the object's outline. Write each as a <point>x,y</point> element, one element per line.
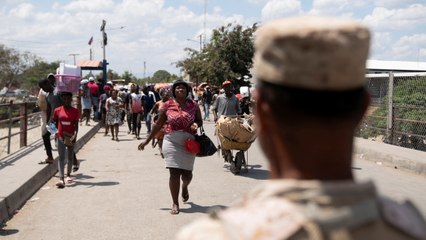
<point>156,31</point>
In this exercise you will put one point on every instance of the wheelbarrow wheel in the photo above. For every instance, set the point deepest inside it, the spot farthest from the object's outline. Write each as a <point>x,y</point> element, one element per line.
<point>227,155</point>
<point>234,168</point>
<point>239,160</point>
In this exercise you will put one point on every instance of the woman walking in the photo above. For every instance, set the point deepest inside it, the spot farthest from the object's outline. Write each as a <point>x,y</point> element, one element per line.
<point>66,119</point>
<point>113,110</point>
<point>102,108</point>
<point>86,101</point>
<point>184,117</point>
<point>165,96</point>
<point>136,111</point>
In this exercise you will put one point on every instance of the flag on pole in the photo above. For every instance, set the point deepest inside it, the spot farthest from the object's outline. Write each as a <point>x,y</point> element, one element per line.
<point>90,41</point>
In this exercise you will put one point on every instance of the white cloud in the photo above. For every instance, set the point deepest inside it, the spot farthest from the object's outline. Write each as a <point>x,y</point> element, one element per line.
<point>336,7</point>
<point>410,48</point>
<point>257,2</point>
<point>196,1</point>
<point>380,43</point>
<point>92,5</point>
<point>393,3</point>
<point>281,8</point>
<point>22,11</point>
<point>397,19</point>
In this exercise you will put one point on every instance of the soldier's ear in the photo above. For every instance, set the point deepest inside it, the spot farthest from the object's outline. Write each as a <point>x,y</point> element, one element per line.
<point>263,113</point>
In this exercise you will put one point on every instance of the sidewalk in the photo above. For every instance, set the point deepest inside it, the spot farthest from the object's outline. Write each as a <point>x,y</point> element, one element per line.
<point>392,156</point>
<point>21,175</point>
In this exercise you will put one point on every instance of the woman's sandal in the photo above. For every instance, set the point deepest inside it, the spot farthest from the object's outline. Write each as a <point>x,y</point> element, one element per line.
<point>175,209</point>
<point>69,180</point>
<point>60,184</point>
<point>47,161</point>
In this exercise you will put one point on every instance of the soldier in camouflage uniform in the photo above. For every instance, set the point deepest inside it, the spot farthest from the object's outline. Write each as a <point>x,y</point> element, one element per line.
<point>310,99</point>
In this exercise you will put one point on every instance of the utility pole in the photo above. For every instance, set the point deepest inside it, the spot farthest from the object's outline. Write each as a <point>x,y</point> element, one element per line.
<point>104,43</point>
<point>201,41</point>
<point>204,24</point>
<point>144,69</point>
<point>74,54</point>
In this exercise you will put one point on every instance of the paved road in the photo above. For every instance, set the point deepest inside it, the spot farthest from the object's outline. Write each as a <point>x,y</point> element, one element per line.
<point>121,193</point>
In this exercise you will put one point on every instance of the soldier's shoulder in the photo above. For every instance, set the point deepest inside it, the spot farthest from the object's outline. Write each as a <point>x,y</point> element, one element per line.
<point>203,228</point>
<point>262,220</point>
<point>404,216</point>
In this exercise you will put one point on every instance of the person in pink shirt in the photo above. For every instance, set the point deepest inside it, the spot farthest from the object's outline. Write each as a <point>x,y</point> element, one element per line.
<point>137,111</point>
<point>183,117</point>
<point>66,119</point>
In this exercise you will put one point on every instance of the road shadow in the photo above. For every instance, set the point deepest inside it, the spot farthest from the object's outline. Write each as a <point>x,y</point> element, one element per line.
<point>126,140</point>
<point>252,171</point>
<point>8,232</point>
<point>195,208</point>
<point>80,180</point>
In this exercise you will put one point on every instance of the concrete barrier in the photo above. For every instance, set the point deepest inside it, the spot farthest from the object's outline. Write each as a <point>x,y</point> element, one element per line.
<point>393,156</point>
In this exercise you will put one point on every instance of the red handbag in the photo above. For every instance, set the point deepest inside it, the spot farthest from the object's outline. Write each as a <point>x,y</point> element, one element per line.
<point>192,146</point>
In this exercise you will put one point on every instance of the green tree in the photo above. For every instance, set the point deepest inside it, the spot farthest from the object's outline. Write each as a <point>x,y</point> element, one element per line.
<point>193,65</point>
<point>12,64</point>
<point>38,70</point>
<point>228,56</point>
<point>128,77</point>
<point>160,76</point>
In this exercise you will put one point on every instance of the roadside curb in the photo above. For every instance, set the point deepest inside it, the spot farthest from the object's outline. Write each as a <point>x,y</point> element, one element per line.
<point>392,156</point>
<point>10,204</point>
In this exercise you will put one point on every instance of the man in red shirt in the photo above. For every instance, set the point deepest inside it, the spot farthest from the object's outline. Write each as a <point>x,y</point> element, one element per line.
<point>94,94</point>
<point>66,119</point>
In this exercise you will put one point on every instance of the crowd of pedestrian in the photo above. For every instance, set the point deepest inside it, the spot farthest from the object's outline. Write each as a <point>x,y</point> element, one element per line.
<point>113,106</point>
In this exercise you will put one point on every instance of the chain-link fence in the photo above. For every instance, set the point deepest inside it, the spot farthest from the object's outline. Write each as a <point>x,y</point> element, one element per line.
<point>397,114</point>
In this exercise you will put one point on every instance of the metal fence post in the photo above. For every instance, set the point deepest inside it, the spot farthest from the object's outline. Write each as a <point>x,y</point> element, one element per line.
<point>390,130</point>
<point>395,125</point>
<point>23,114</point>
<point>9,115</point>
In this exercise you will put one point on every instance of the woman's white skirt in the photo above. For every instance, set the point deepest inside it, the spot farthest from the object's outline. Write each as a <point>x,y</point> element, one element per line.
<point>175,154</point>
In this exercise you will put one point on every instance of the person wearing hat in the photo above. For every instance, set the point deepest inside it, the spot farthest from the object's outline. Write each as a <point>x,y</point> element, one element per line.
<point>66,119</point>
<point>183,117</point>
<point>48,100</point>
<point>86,101</point>
<point>311,96</point>
<point>227,103</point>
<point>94,94</point>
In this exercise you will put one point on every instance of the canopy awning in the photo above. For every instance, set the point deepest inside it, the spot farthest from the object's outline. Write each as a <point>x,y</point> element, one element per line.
<point>90,65</point>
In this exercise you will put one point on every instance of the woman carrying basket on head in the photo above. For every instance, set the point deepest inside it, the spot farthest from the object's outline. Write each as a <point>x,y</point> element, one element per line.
<point>66,119</point>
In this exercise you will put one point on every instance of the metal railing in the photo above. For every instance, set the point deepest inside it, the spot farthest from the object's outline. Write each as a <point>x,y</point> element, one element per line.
<point>397,114</point>
<point>19,116</point>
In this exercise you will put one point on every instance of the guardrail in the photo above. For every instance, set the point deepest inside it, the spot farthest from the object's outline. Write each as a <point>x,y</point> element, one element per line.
<point>12,114</point>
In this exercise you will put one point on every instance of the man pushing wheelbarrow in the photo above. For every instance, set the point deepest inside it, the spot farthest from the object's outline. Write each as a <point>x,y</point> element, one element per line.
<point>234,132</point>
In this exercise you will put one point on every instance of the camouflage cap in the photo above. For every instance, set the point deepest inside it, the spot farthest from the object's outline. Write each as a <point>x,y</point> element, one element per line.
<point>316,53</point>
